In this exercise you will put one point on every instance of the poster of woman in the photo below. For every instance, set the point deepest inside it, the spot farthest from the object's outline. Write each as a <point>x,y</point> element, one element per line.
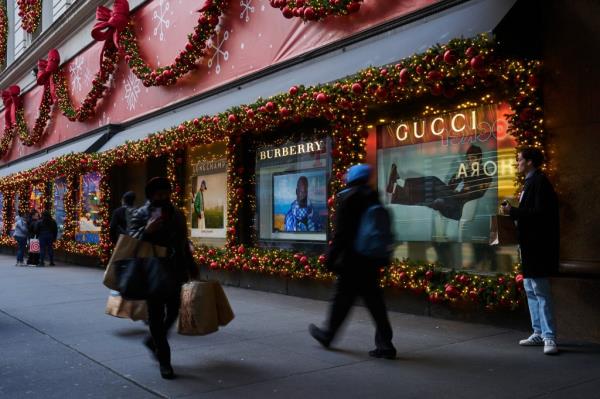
<point>208,207</point>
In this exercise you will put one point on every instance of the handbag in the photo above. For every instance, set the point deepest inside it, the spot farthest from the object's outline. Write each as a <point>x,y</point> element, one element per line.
<point>144,278</point>
<point>204,307</point>
<point>34,246</point>
<point>119,307</point>
<point>503,231</point>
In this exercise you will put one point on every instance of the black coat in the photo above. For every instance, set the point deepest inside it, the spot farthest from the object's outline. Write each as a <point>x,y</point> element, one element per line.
<point>538,227</point>
<point>172,235</point>
<point>351,204</point>
<point>118,223</point>
<point>46,227</point>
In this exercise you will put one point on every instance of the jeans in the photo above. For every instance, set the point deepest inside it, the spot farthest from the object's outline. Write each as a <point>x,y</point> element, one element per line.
<point>21,245</point>
<point>46,246</point>
<point>539,299</point>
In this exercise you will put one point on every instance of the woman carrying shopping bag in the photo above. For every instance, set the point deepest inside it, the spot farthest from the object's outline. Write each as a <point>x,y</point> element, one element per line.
<point>160,223</point>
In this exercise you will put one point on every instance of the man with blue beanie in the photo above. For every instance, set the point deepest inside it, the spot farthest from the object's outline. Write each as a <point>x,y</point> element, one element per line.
<point>357,275</point>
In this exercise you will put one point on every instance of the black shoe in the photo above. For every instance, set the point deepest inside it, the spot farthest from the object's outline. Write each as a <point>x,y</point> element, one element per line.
<point>392,179</point>
<point>52,264</point>
<point>149,343</point>
<point>319,335</point>
<point>383,353</point>
<point>166,372</point>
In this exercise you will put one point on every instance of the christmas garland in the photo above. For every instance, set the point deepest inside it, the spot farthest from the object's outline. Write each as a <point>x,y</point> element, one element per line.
<point>461,67</point>
<point>195,48</point>
<point>30,12</point>
<point>315,10</point>
<point>39,127</point>
<point>3,35</point>
<point>108,65</point>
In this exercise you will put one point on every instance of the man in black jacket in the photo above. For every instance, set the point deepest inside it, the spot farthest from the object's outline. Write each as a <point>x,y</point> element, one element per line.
<point>121,216</point>
<point>160,223</point>
<point>538,234</point>
<point>356,274</point>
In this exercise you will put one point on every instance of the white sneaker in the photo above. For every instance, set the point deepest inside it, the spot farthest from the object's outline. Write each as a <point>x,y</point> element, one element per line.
<point>550,347</point>
<point>533,340</point>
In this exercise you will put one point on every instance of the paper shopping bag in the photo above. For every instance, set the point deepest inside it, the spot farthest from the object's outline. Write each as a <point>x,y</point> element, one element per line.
<point>34,246</point>
<point>126,248</point>
<point>119,307</point>
<point>204,307</point>
<point>502,231</point>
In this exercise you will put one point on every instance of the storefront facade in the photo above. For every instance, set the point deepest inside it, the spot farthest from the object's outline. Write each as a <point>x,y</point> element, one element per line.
<point>258,115</point>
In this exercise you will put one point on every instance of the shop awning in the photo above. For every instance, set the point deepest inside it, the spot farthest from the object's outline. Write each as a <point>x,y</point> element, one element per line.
<point>466,19</point>
<point>88,143</point>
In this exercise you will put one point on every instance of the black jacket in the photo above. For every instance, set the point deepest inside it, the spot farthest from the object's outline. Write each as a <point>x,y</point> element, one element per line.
<point>351,203</point>
<point>118,223</point>
<point>46,227</point>
<point>538,227</point>
<point>172,235</point>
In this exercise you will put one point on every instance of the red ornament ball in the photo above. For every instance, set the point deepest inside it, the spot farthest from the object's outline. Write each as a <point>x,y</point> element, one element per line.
<point>294,90</point>
<point>321,98</point>
<point>357,88</point>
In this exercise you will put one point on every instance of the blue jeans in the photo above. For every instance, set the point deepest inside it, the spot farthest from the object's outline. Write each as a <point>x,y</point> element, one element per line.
<point>46,246</point>
<point>539,299</point>
<point>21,245</point>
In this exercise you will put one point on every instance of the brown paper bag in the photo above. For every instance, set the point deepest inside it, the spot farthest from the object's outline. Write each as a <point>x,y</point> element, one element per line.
<point>126,248</point>
<point>503,231</point>
<point>204,307</point>
<point>119,307</point>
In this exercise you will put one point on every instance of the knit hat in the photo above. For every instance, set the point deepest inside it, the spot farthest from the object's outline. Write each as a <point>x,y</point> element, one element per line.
<point>358,173</point>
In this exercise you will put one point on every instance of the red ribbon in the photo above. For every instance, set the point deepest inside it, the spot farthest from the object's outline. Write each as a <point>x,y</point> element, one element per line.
<point>46,69</point>
<point>12,100</point>
<point>110,24</point>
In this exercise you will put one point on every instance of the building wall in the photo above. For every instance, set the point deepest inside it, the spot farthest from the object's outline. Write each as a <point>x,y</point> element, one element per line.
<point>571,95</point>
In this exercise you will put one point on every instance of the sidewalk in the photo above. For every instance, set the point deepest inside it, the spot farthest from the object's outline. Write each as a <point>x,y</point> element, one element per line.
<point>56,342</point>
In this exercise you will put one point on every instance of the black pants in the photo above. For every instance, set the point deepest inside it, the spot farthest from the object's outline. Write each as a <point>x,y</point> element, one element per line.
<point>363,281</point>
<point>162,313</point>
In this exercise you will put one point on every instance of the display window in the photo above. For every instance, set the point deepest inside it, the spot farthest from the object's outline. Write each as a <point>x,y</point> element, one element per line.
<point>292,188</point>
<point>89,218</point>
<point>59,190</point>
<point>443,178</point>
<point>35,199</point>
<point>206,193</point>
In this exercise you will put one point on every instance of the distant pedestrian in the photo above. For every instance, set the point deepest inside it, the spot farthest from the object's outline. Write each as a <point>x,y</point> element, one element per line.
<point>160,223</point>
<point>357,275</point>
<point>47,231</point>
<point>121,217</point>
<point>21,234</point>
<point>33,257</point>
<point>538,235</point>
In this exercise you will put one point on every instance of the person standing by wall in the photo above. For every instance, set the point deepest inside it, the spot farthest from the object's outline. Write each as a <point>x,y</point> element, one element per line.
<point>160,223</point>
<point>20,235</point>
<point>538,231</point>
<point>47,231</point>
<point>357,275</point>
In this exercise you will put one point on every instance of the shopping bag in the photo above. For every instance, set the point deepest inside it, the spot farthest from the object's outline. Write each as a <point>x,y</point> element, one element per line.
<point>144,278</point>
<point>126,248</point>
<point>502,231</point>
<point>34,246</point>
<point>119,307</point>
<point>204,307</point>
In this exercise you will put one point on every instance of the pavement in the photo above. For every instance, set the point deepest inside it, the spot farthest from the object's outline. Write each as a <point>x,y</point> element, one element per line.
<point>56,342</point>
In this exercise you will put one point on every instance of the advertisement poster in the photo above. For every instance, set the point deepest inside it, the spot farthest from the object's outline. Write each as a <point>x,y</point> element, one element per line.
<point>89,219</point>
<point>35,199</point>
<point>58,204</point>
<point>300,202</point>
<point>207,191</point>
<point>443,177</point>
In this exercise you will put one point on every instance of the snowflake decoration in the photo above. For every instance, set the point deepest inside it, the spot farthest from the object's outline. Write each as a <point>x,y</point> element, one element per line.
<point>219,52</point>
<point>162,19</point>
<point>104,120</point>
<point>132,90</point>
<point>76,70</point>
<point>247,8</point>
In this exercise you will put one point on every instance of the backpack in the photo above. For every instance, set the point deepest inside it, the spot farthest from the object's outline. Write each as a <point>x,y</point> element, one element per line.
<point>374,238</point>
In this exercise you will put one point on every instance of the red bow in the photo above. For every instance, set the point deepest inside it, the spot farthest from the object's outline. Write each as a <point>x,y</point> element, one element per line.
<point>11,100</point>
<point>206,6</point>
<point>46,69</point>
<point>111,23</point>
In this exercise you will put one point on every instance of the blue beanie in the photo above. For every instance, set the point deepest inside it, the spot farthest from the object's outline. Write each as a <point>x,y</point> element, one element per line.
<point>358,173</point>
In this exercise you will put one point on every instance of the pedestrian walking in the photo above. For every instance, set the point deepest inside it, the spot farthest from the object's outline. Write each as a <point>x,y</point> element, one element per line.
<point>20,235</point>
<point>47,231</point>
<point>537,222</point>
<point>160,223</point>
<point>121,216</point>
<point>33,253</point>
<point>357,275</point>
